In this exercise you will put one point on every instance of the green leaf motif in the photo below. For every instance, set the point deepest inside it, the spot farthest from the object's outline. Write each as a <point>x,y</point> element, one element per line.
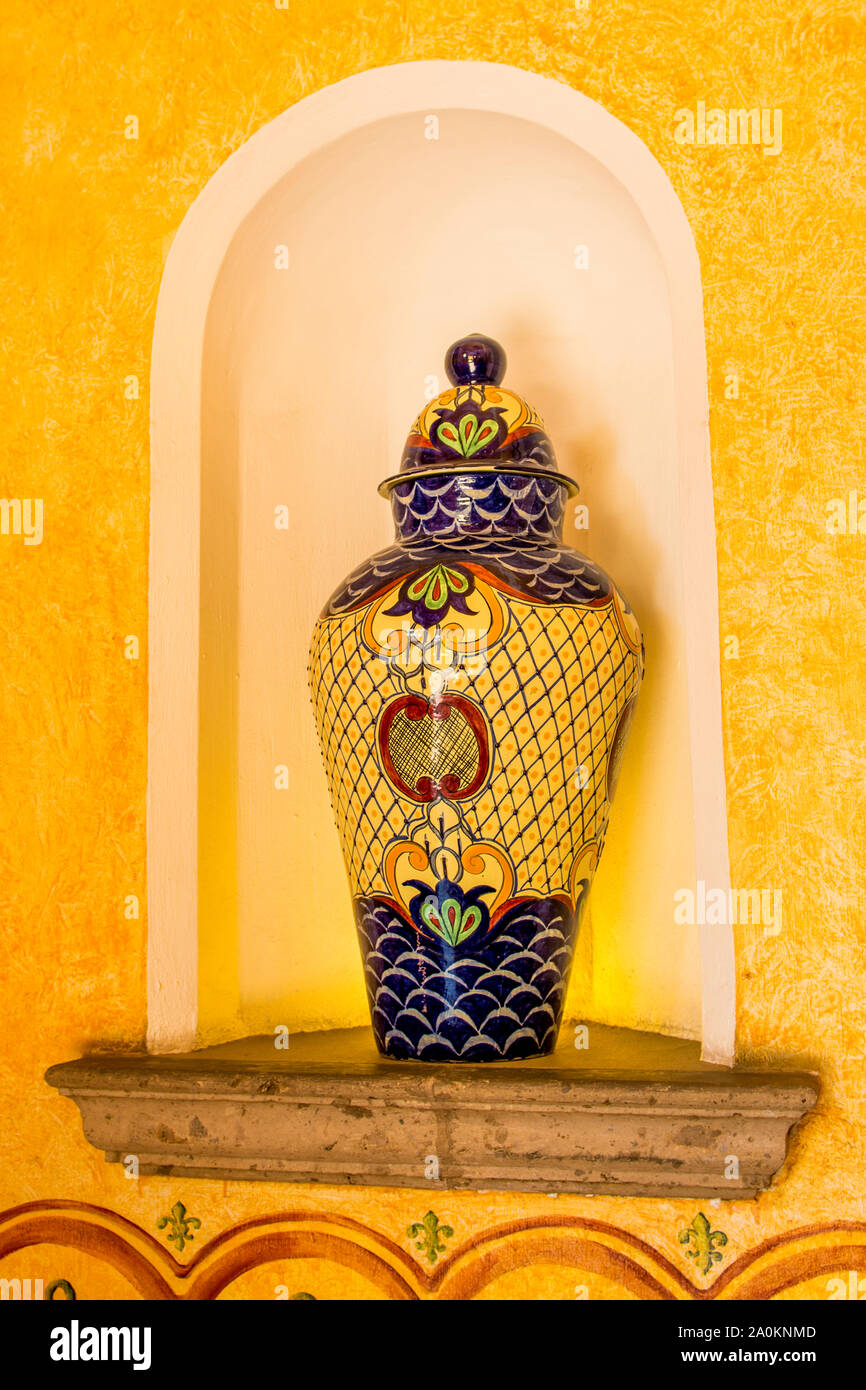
<point>435,586</point>
<point>469,436</point>
<point>703,1245</point>
<point>449,921</point>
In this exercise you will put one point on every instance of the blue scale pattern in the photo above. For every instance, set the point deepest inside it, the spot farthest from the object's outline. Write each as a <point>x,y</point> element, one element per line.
<point>544,575</point>
<point>489,1000</point>
<point>510,525</point>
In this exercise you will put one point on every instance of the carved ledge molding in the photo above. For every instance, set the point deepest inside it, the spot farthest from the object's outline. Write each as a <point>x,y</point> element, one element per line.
<point>636,1114</point>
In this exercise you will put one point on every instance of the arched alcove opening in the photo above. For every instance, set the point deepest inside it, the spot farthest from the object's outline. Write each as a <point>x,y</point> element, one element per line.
<point>414,204</point>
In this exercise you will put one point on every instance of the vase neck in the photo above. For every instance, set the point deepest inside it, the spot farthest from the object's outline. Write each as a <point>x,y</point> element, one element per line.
<point>447,507</point>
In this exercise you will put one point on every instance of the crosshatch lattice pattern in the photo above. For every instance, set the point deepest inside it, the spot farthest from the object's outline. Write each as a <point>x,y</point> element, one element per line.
<point>552,692</point>
<point>350,687</point>
<point>418,746</point>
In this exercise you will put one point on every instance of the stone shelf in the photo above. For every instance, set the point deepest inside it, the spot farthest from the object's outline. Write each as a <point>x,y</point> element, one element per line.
<point>635,1114</point>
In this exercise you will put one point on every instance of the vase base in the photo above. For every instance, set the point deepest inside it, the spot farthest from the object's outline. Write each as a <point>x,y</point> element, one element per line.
<point>433,1056</point>
<point>496,999</point>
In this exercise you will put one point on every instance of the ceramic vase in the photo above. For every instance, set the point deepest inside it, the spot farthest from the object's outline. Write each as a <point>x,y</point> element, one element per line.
<point>473,686</point>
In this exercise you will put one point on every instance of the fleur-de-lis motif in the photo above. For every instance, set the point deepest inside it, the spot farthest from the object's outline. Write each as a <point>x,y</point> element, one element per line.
<point>703,1245</point>
<point>182,1227</point>
<point>428,1233</point>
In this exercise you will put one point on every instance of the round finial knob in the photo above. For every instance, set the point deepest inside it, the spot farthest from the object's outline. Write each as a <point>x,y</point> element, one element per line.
<point>475,361</point>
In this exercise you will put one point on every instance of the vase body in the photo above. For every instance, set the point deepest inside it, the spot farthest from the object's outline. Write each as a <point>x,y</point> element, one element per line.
<point>473,685</point>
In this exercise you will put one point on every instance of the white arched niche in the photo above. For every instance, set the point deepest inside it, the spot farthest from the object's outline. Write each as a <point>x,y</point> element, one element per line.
<point>305,305</point>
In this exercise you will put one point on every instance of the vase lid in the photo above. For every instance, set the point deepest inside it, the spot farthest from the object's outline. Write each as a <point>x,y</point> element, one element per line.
<point>477,425</point>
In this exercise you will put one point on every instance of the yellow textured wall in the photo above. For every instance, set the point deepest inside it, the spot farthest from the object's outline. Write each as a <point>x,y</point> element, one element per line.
<point>89,215</point>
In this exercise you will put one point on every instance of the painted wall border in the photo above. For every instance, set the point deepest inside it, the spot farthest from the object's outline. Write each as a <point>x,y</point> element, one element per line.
<point>191,270</point>
<point>774,1265</point>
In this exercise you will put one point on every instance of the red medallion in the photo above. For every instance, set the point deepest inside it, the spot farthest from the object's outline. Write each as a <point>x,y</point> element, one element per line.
<point>436,746</point>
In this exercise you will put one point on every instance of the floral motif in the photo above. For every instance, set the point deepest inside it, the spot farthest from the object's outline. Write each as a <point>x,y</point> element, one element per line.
<point>701,1243</point>
<point>449,912</point>
<point>428,1234</point>
<point>430,595</point>
<point>468,435</point>
<point>477,419</point>
<point>182,1228</point>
